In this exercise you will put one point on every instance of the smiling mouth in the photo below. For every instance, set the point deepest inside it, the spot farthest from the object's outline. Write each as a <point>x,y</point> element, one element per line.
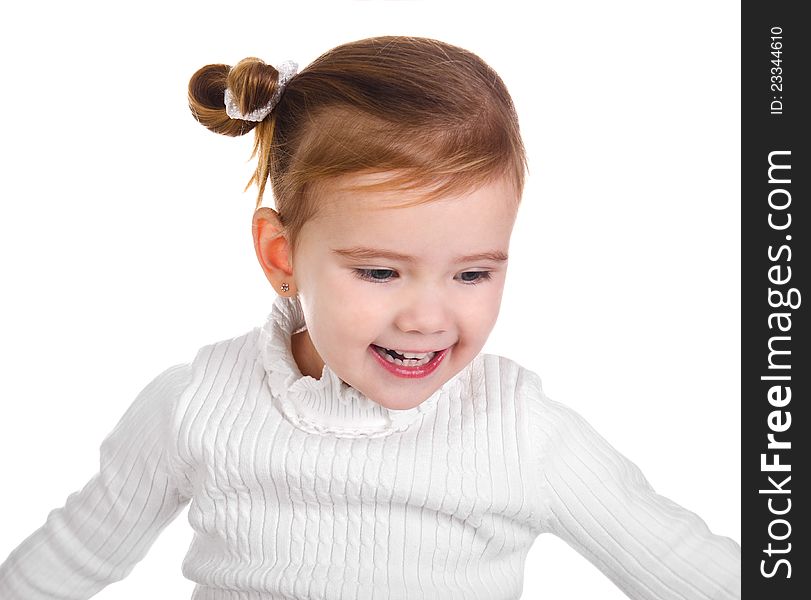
<point>407,359</point>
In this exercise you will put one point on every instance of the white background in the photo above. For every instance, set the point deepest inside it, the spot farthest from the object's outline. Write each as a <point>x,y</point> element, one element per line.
<point>126,235</point>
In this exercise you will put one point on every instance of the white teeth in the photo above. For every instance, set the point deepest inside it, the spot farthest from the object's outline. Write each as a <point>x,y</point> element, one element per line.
<point>411,360</point>
<point>412,355</point>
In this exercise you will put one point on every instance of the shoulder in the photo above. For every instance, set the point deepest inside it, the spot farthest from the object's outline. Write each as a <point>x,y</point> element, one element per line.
<point>238,349</point>
<point>222,364</point>
<point>510,374</point>
<point>545,419</point>
<point>207,359</point>
<point>215,380</point>
<point>508,387</point>
<point>211,367</point>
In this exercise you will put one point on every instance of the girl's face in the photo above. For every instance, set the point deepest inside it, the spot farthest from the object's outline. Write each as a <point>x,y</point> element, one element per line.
<point>423,278</point>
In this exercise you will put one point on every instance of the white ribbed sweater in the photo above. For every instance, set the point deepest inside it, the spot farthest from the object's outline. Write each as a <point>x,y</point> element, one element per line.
<point>303,488</point>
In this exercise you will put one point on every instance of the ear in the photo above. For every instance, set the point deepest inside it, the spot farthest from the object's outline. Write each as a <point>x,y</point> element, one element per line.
<point>273,250</point>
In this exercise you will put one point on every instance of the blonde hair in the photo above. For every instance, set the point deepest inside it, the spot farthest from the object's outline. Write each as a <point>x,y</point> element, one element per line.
<point>435,115</point>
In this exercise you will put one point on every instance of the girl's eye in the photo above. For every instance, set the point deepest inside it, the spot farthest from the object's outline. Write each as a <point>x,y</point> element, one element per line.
<point>477,277</point>
<point>375,275</point>
<point>384,275</point>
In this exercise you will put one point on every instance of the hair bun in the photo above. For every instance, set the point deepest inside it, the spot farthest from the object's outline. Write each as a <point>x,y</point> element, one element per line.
<point>251,84</point>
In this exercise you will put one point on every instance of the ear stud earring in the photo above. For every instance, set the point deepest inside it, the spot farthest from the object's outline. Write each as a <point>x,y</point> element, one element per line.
<point>285,287</point>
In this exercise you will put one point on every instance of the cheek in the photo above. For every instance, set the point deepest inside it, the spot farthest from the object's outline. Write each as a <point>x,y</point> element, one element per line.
<point>345,320</point>
<point>484,308</point>
<point>360,303</point>
<point>480,317</point>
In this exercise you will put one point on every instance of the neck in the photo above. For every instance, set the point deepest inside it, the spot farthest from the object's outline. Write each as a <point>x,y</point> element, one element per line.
<point>307,358</point>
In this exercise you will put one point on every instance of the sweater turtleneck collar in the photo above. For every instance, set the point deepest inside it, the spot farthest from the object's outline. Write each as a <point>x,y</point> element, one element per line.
<point>327,405</point>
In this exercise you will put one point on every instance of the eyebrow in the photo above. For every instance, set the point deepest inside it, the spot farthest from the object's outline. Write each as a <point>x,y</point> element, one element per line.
<point>360,252</point>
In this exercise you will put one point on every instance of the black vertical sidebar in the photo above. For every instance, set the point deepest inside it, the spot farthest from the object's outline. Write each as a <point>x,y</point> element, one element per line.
<point>775,171</point>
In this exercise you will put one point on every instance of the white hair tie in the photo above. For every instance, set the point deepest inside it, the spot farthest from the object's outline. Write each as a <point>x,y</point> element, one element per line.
<point>286,71</point>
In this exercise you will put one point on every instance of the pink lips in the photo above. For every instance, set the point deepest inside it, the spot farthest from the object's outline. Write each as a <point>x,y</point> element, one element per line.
<point>411,372</point>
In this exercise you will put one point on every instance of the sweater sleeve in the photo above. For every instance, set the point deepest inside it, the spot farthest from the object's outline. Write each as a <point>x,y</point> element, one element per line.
<point>600,503</point>
<point>104,529</point>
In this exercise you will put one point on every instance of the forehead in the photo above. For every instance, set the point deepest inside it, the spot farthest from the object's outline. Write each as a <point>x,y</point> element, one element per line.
<point>479,220</point>
<point>482,216</point>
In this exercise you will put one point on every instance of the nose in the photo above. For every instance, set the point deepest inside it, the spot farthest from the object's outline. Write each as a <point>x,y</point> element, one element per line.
<point>423,310</point>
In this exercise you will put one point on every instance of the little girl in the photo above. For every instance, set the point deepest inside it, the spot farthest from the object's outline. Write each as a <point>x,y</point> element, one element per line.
<point>359,444</point>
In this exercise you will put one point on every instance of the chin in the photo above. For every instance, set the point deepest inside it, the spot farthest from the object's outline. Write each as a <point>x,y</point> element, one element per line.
<point>400,404</point>
<point>407,405</point>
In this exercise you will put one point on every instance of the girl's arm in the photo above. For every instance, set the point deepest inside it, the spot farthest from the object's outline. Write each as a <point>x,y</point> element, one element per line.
<point>600,504</point>
<point>109,525</point>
